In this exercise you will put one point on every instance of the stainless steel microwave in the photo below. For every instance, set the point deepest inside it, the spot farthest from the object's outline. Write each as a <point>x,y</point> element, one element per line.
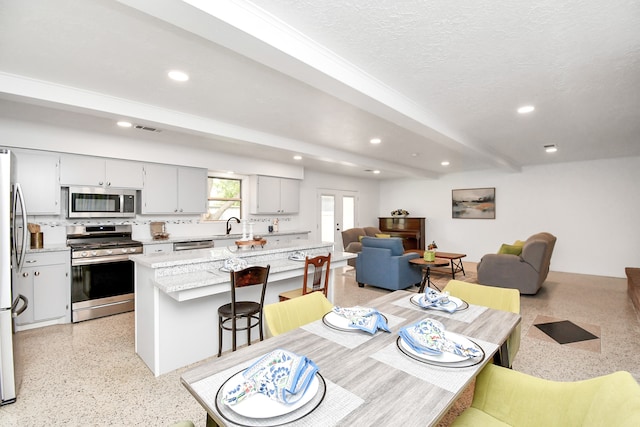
<point>98,202</point>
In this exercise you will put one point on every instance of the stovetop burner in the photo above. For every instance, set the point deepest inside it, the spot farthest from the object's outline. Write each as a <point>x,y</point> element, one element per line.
<point>104,245</point>
<point>101,241</point>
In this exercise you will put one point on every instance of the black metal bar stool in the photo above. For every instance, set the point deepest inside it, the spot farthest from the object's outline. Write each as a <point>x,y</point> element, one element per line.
<point>228,314</point>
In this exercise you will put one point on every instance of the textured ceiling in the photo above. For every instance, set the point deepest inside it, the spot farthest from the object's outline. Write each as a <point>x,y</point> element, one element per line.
<point>435,80</point>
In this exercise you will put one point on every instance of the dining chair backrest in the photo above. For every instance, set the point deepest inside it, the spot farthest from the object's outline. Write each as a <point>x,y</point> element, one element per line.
<point>489,296</point>
<point>251,311</point>
<point>287,315</point>
<point>318,280</point>
<point>249,276</point>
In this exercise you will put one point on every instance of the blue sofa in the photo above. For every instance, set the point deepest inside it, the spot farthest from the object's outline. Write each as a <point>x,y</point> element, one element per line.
<point>383,263</point>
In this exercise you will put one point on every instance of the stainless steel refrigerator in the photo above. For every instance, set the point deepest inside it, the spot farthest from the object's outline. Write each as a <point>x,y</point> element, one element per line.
<point>13,238</point>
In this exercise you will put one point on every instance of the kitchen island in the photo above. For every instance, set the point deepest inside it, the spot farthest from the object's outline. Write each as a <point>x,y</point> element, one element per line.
<point>177,296</point>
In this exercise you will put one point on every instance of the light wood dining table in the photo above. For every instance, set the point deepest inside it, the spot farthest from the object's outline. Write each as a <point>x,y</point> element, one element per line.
<point>369,381</point>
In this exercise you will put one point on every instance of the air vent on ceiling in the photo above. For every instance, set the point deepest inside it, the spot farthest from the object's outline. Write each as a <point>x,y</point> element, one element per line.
<point>147,128</point>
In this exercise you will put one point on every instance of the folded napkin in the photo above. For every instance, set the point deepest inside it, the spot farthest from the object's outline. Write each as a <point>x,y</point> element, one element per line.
<point>280,375</point>
<point>367,319</point>
<point>435,299</point>
<point>298,255</point>
<point>235,264</point>
<point>428,337</point>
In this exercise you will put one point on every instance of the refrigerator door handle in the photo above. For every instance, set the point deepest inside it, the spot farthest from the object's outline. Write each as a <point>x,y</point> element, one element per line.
<point>25,304</point>
<point>19,197</point>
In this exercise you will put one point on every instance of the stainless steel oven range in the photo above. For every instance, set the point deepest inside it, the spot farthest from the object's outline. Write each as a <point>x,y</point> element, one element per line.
<point>102,276</point>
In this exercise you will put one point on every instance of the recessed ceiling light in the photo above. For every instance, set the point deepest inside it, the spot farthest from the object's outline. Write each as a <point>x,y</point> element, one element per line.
<point>375,140</point>
<point>526,109</point>
<point>376,171</point>
<point>124,124</point>
<point>297,157</point>
<point>551,148</point>
<point>179,76</point>
<point>415,154</point>
<point>445,163</point>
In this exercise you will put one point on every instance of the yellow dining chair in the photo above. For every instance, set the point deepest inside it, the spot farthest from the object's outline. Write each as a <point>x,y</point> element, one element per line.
<point>497,298</point>
<point>318,279</point>
<point>287,315</point>
<point>504,397</point>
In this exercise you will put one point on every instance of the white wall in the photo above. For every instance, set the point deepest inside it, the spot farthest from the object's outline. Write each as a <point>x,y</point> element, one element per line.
<point>367,190</point>
<point>42,136</point>
<point>591,207</point>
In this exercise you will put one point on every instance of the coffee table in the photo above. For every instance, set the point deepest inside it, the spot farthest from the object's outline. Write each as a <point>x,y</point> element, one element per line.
<point>426,267</point>
<point>456,262</point>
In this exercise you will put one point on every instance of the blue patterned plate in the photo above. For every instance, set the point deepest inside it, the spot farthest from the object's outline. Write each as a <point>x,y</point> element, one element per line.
<point>460,304</point>
<point>340,323</point>
<point>444,359</point>
<point>260,410</point>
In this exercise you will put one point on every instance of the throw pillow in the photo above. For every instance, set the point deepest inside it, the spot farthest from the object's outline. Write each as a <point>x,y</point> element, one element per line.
<point>383,236</point>
<point>519,243</point>
<point>510,249</point>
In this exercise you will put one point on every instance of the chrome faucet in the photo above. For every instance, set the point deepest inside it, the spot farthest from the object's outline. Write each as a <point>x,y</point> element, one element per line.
<point>229,225</point>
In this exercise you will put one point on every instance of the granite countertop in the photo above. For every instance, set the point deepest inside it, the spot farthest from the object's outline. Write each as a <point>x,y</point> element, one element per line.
<point>54,247</point>
<point>184,258</point>
<point>233,236</point>
<point>180,271</point>
<point>182,282</point>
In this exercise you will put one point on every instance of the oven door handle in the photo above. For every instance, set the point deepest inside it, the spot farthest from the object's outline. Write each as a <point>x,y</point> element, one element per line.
<point>99,260</point>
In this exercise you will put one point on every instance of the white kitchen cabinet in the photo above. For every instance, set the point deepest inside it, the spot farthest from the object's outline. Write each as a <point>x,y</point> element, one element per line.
<point>38,175</point>
<point>192,190</point>
<point>44,281</point>
<point>172,189</point>
<point>157,248</point>
<point>100,172</point>
<point>285,238</point>
<point>273,195</point>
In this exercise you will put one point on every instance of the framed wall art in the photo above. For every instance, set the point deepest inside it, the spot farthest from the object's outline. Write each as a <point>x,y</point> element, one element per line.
<point>473,203</point>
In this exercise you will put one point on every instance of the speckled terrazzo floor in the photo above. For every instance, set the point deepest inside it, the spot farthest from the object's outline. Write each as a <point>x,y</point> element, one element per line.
<point>88,374</point>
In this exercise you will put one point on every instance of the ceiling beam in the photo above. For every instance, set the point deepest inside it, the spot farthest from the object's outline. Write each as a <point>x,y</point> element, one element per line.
<point>250,31</point>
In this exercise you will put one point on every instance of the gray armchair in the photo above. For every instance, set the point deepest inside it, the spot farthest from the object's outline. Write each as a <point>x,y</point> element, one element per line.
<point>351,240</point>
<point>525,272</point>
<point>383,263</point>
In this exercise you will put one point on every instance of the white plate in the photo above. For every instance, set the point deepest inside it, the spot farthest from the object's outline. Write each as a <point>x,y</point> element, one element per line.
<point>341,323</point>
<point>295,258</point>
<point>260,406</point>
<point>444,358</point>
<point>226,270</point>
<point>453,301</point>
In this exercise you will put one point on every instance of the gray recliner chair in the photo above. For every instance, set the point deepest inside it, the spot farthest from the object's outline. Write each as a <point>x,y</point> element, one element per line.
<point>525,272</point>
<point>351,240</point>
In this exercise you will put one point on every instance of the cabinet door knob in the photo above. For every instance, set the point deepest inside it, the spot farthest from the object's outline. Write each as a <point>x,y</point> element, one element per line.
<point>100,183</point>
<point>25,274</point>
<point>37,273</point>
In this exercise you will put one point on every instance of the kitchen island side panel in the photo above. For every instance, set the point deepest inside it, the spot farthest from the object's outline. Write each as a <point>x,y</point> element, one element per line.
<point>171,334</point>
<point>177,298</point>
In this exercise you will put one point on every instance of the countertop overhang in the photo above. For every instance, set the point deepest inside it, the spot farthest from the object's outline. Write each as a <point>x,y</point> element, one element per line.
<point>193,274</point>
<point>231,236</point>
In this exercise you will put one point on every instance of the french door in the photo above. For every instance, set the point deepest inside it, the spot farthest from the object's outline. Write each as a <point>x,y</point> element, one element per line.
<point>338,212</point>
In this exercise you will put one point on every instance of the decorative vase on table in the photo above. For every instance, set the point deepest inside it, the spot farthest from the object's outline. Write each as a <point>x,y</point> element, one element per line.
<point>400,212</point>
